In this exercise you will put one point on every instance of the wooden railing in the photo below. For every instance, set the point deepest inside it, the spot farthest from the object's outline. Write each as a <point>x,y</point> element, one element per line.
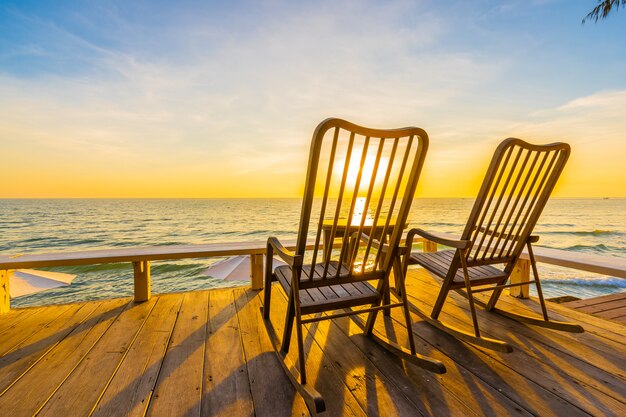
<point>140,257</point>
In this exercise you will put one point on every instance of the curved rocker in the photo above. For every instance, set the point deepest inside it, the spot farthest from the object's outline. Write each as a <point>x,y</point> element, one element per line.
<point>538,321</point>
<point>313,399</point>
<point>486,342</point>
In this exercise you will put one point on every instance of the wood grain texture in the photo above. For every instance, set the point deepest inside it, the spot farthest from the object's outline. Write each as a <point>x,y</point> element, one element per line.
<point>115,358</point>
<point>129,391</point>
<point>85,385</point>
<point>226,390</point>
<point>179,385</point>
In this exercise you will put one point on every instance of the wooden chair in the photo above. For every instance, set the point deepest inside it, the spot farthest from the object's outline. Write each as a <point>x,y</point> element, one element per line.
<point>359,187</point>
<point>515,189</point>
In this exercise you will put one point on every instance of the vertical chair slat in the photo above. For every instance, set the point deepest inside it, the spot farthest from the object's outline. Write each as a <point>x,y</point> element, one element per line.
<point>383,193</point>
<point>513,193</point>
<point>394,198</point>
<point>366,204</point>
<point>344,177</point>
<point>494,209</point>
<point>508,227</point>
<point>524,207</point>
<point>355,194</point>
<point>484,209</point>
<point>331,161</point>
<point>534,208</point>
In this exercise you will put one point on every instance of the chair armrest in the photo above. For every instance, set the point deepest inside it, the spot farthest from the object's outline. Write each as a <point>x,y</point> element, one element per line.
<point>283,253</point>
<point>453,243</point>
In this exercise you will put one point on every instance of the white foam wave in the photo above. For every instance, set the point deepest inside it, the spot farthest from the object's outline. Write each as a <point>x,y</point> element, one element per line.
<point>587,282</point>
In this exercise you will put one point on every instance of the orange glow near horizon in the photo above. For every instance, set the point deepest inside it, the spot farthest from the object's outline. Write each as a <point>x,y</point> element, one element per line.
<point>438,180</point>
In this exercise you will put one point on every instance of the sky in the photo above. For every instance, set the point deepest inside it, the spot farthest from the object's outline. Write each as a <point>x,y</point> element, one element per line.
<point>217,99</point>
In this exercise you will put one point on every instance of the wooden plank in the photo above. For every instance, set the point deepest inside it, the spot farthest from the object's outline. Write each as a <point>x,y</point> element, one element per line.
<point>84,386</point>
<point>131,388</point>
<point>322,372</point>
<point>226,388</point>
<point>569,374</point>
<point>31,350</point>
<point>39,384</point>
<point>272,392</point>
<point>602,341</point>
<point>14,336</point>
<point>595,300</point>
<point>427,391</point>
<point>380,382</point>
<point>178,389</point>
<point>534,392</point>
<point>477,383</point>
<point>603,307</point>
<point>376,395</point>
<point>613,313</point>
<point>14,317</point>
<point>602,353</point>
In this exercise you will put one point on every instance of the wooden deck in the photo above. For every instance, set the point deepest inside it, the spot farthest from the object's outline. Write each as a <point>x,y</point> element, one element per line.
<point>611,307</point>
<point>206,353</point>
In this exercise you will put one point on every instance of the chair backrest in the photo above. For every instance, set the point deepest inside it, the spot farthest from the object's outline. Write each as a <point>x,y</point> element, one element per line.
<point>515,190</point>
<point>359,181</point>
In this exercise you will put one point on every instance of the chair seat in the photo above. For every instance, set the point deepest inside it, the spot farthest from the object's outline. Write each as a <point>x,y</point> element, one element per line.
<point>331,296</point>
<point>439,264</point>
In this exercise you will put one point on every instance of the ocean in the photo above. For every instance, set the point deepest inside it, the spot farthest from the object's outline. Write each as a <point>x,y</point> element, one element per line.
<point>53,225</point>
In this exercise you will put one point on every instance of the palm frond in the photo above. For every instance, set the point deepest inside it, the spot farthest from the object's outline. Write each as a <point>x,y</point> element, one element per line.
<point>603,9</point>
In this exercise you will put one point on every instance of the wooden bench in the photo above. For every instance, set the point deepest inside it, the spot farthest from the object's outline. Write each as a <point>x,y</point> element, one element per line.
<point>140,257</point>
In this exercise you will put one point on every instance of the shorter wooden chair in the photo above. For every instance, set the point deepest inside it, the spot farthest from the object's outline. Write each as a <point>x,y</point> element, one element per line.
<point>515,189</point>
<point>359,188</point>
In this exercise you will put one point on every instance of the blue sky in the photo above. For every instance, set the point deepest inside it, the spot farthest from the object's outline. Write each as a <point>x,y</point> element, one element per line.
<point>219,99</point>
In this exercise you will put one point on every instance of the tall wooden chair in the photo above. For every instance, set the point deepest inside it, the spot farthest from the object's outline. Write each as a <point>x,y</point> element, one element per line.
<point>515,190</point>
<point>359,187</point>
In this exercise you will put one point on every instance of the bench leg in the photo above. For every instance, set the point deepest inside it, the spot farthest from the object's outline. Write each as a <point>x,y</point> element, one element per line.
<point>520,273</point>
<point>5,298</point>
<point>142,281</point>
<point>256,271</point>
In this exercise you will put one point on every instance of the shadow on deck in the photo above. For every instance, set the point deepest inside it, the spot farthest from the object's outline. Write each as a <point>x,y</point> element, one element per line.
<point>206,353</point>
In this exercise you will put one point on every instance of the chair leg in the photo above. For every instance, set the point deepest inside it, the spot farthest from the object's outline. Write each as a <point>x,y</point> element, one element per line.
<point>470,296</point>
<point>401,291</point>
<point>267,289</point>
<point>267,296</point>
<point>495,295</point>
<point>441,298</point>
<point>533,264</point>
<point>399,271</point>
<point>300,349</point>
<point>386,300</point>
<point>288,324</point>
<point>371,317</point>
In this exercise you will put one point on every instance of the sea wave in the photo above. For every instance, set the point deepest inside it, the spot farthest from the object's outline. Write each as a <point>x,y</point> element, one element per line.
<point>599,248</point>
<point>597,232</point>
<point>609,282</point>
